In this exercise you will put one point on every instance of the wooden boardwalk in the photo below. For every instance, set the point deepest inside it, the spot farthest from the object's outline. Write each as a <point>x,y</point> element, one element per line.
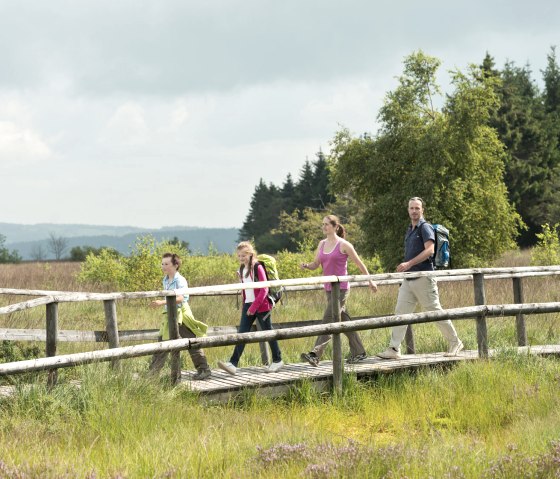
<point>222,386</point>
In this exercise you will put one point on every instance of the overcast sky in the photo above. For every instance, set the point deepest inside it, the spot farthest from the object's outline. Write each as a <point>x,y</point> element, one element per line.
<point>158,113</point>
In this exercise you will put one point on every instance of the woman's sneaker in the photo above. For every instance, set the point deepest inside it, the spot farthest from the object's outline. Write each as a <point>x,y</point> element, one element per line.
<point>311,358</point>
<point>272,368</point>
<point>356,359</point>
<point>202,374</point>
<point>227,367</point>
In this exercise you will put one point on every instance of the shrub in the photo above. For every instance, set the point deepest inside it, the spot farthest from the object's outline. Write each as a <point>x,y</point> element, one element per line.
<point>547,250</point>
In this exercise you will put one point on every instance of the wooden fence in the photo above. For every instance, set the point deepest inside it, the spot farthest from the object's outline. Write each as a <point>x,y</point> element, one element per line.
<point>51,300</point>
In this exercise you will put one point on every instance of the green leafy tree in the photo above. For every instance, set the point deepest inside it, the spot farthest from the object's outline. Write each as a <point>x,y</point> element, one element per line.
<point>448,156</point>
<point>7,256</point>
<point>80,253</point>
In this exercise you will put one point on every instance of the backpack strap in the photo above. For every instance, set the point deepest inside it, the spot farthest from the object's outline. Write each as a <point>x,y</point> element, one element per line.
<point>256,270</point>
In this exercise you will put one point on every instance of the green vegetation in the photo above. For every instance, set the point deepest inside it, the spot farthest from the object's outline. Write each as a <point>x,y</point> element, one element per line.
<point>489,419</point>
<point>484,419</point>
<point>547,250</point>
<point>450,157</point>
<point>7,256</point>
<point>496,128</point>
<point>140,271</point>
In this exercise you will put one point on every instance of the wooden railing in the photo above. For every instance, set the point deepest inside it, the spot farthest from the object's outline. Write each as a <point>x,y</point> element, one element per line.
<point>479,312</point>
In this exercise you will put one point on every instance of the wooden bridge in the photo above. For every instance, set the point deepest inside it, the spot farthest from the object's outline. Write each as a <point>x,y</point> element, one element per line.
<point>328,374</point>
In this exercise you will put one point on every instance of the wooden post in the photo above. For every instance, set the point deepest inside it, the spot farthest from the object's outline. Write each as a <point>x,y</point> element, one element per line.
<point>52,340</point>
<point>111,326</point>
<point>481,329</point>
<point>338,366</point>
<point>519,318</point>
<point>265,356</point>
<point>173,334</point>
<point>409,339</point>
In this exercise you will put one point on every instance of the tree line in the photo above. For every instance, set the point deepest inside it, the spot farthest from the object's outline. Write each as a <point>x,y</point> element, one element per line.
<point>487,163</point>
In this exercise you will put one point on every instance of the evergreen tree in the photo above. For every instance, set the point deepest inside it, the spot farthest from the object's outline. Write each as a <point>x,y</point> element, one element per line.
<point>551,77</point>
<point>304,187</point>
<point>288,193</point>
<point>320,194</point>
<point>527,131</point>
<point>263,215</point>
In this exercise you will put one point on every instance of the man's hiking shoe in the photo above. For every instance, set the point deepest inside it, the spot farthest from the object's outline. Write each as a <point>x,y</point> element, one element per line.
<point>390,353</point>
<point>454,348</point>
<point>311,358</point>
<point>227,367</point>
<point>356,359</point>
<point>202,374</point>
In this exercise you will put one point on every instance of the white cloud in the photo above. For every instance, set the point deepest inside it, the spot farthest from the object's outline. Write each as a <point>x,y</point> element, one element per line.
<point>117,106</point>
<point>20,145</point>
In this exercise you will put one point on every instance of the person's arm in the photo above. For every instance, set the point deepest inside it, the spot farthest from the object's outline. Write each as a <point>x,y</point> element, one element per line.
<point>423,256</point>
<point>260,293</point>
<point>347,248</point>
<point>315,263</point>
<point>156,303</point>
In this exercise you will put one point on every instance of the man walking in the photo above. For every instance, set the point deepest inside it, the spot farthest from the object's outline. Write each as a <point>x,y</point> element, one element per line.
<point>419,245</point>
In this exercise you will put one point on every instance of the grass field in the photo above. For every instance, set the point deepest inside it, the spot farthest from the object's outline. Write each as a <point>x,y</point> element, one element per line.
<point>488,419</point>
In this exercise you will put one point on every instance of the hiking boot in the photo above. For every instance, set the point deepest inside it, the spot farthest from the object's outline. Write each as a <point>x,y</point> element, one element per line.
<point>454,348</point>
<point>275,367</point>
<point>311,358</point>
<point>227,367</point>
<point>356,359</point>
<point>389,353</point>
<point>202,374</point>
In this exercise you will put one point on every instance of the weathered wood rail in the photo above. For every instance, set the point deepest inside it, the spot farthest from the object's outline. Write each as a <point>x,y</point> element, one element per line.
<point>227,336</point>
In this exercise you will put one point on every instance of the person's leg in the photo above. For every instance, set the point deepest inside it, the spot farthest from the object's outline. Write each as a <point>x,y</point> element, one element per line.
<point>157,362</point>
<point>354,340</point>
<point>244,327</point>
<point>406,303</point>
<point>197,355</point>
<point>265,321</point>
<point>428,295</point>
<point>322,341</point>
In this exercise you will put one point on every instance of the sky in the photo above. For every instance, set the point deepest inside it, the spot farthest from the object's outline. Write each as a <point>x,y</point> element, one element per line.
<point>158,113</point>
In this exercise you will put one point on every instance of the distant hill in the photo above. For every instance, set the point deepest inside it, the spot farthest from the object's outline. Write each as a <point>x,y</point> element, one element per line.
<point>27,239</point>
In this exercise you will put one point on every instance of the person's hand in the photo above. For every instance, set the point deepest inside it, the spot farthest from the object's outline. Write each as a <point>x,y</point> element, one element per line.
<point>303,265</point>
<point>373,286</point>
<point>401,268</point>
<point>157,303</point>
<point>250,314</point>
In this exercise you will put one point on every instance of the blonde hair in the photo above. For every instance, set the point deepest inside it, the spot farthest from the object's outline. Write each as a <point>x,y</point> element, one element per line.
<point>248,246</point>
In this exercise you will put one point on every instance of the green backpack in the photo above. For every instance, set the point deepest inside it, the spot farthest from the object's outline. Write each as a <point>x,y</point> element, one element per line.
<point>271,270</point>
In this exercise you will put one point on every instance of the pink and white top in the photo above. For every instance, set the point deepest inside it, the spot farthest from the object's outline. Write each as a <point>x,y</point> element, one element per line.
<point>334,263</point>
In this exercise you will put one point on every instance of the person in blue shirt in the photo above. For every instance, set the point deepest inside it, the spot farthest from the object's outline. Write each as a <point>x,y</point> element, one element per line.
<point>188,326</point>
<point>419,242</point>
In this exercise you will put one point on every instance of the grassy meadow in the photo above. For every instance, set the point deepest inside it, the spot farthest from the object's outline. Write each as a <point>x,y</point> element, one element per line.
<point>486,419</point>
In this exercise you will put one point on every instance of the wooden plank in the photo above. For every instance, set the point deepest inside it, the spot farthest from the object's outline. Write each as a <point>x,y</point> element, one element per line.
<point>236,287</point>
<point>519,318</point>
<point>52,340</point>
<point>481,328</point>
<point>226,387</point>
